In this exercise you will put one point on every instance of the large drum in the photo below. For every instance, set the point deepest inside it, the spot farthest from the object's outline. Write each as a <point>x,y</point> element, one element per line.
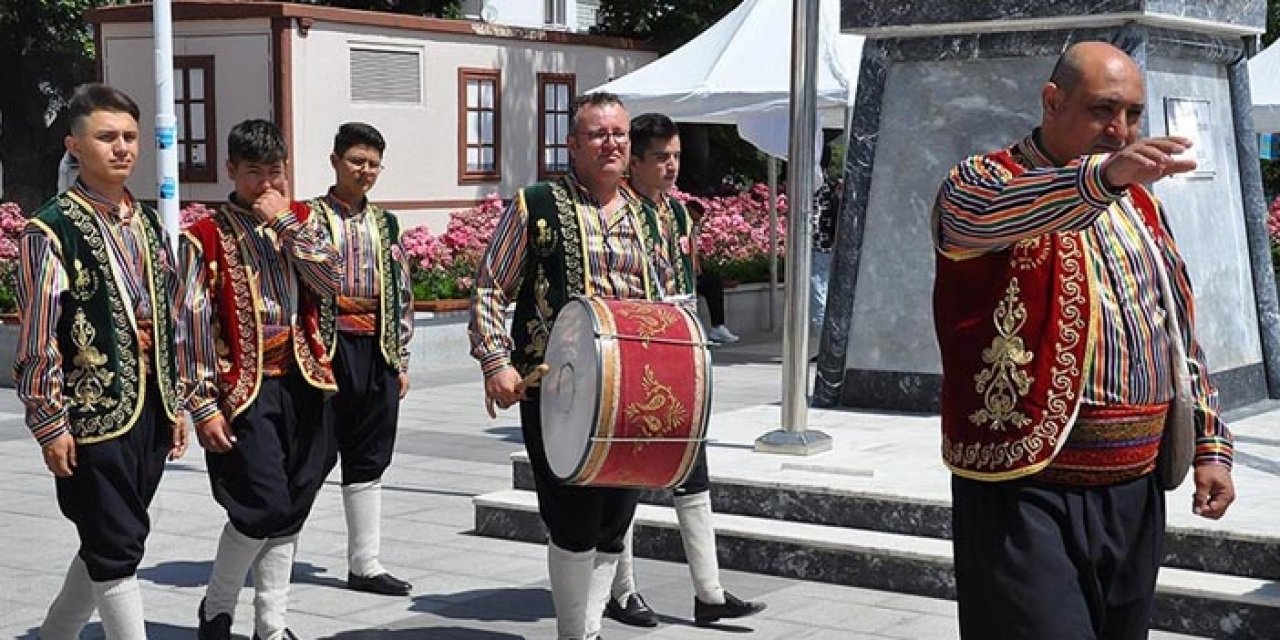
<point>627,395</point>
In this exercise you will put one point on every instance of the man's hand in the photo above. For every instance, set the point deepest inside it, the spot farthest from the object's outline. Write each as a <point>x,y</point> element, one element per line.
<point>1146,161</point>
<point>269,205</point>
<point>404,385</point>
<point>179,439</point>
<point>215,435</point>
<point>1215,491</point>
<point>503,388</point>
<point>60,455</point>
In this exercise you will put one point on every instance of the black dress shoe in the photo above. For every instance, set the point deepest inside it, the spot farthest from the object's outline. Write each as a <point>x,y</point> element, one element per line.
<point>382,584</point>
<point>288,635</point>
<point>219,628</point>
<point>635,612</point>
<point>733,607</point>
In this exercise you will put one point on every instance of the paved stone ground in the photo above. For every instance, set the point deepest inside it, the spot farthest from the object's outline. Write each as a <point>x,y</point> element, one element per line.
<point>466,587</point>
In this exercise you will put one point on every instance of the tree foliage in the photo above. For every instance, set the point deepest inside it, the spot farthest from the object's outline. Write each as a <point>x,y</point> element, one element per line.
<point>436,8</point>
<point>46,49</point>
<point>666,24</point>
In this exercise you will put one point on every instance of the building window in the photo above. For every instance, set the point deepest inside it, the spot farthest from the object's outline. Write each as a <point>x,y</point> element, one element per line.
<point>555,108</point>
<point>386,76</point>
<point>194,107</point>
<point>555,13</point>
<point>479,125</point>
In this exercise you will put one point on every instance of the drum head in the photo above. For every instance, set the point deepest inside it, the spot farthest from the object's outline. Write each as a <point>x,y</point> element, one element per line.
<point>571,389</point>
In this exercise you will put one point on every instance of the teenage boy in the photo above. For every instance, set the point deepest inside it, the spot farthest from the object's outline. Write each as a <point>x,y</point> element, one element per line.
<point>95,363</point>
<point>367,330</point>
<point>252,278</point>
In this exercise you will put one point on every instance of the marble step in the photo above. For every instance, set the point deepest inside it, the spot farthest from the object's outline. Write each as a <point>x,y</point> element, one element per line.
<point>1189,602</point>
<point>1220,552</point>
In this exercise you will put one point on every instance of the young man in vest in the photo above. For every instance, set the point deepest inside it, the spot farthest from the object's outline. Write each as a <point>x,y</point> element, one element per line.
<point>583,233</point>
<point>367,328</point>
<point>95,363</point>
<point>654,168</point>
<point>252,279</point>
<point>1056,349</point>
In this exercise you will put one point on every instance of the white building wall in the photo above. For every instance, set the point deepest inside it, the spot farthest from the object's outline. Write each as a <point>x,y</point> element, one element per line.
<point>579,14</point>
<point>242,85</point>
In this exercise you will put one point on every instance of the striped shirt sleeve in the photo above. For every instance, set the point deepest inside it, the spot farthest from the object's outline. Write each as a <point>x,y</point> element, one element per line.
<point>316,260</point>
<point>37,366</point>
<point>983,207</point>
<point>497,280</point>
<point>197,357</point>
<point>1214,442</point>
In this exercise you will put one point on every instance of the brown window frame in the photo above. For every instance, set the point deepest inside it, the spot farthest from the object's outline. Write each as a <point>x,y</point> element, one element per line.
<point>466,176</point>
<point>182,109</point>
<point>545,79</point>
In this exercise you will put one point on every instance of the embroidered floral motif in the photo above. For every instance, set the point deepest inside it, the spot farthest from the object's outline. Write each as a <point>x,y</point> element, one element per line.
<point>575,269</point>
<point>88,379</point>
<point>653,319</point>
<point>1031,253</point>
<point>389,327</point>
<point>244,306</point>
<point>660,414</point>
<point>101,426</point>
<point>1004,381</point>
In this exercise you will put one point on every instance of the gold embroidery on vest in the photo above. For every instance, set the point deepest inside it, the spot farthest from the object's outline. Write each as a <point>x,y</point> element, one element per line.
<point>85,282</point>
<point>1004,381</point>
<point>88,379</point>
<point>540,326</point>
<point>659,414</point>
<point>389,327</point>
<point>1031,253</point>
<point>574,265</point>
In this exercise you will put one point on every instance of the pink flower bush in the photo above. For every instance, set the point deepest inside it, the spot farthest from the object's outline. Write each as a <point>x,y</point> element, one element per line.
<point>193,213</point>
<point>12,222</point>
<point>734,238</point>
<point>444,266</point>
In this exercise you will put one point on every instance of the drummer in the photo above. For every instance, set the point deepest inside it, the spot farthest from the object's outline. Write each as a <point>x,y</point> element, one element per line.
<point>582,233</point>
<point>654,167</point>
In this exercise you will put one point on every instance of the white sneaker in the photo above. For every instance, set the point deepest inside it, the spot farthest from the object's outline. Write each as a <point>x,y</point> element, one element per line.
<point>721,333</point>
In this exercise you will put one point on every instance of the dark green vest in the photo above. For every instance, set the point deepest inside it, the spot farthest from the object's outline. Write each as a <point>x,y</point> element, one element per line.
<point>103,385</point>
<point>555,265</point>
<point>389,279</point>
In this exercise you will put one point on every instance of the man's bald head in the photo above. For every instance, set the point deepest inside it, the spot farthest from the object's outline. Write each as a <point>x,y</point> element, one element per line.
<point>1084,56</point>
<point>1093,102</point>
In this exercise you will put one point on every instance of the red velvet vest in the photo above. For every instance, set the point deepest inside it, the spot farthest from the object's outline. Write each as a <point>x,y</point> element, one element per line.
<point>233,291</point>
<point>1016,328</point>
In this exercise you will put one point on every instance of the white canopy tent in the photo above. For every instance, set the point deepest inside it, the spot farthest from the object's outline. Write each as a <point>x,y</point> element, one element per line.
<point>738,72</point>
<point>1264,85</point>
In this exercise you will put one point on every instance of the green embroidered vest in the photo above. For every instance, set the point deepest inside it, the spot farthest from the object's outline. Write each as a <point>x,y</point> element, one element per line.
<point>103,385</point>
<point>389,280</point>
<point>556,265</point>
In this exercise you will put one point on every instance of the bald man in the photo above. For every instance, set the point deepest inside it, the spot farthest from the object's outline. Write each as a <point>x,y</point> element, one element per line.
<point>1058,377</point>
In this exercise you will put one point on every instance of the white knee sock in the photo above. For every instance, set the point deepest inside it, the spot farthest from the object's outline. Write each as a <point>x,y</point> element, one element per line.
<point>570,574</point>
<point>272,571</point>
<point>120,607</point>
<point>604,567</point>
<point>363,505</point>
<point>624,579</point>
<point>73,606</point>
<point>236,552</point>
<point>693,512</point>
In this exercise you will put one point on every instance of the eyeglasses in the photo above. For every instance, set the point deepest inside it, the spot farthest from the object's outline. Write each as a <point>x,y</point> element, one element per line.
<point>365,164</point>
<point>600,135</point>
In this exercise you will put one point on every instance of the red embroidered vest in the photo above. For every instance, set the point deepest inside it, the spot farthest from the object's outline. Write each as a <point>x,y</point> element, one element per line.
<point>238,331</point>
<point>1015,328</point>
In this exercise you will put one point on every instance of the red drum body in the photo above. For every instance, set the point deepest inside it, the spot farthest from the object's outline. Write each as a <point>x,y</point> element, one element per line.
<point>626,400</point>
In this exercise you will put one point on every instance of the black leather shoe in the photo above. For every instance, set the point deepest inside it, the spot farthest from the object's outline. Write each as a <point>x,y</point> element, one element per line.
<point>733,607</point>
<point>382,584</point>
<point>288,635</point>
<point>219,628</point>
<point>635,612</point>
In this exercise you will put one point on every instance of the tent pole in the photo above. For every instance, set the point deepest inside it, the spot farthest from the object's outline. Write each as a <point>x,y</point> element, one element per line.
<point>773,243</point>
<point>792,437</point>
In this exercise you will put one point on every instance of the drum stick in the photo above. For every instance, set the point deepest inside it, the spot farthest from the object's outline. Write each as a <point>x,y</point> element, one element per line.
<point>524,383</point>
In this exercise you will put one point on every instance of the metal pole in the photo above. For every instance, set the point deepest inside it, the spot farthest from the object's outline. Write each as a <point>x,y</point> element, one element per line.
<point>773,243</point>
<point>166,122</point>
<point>793,437</point>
